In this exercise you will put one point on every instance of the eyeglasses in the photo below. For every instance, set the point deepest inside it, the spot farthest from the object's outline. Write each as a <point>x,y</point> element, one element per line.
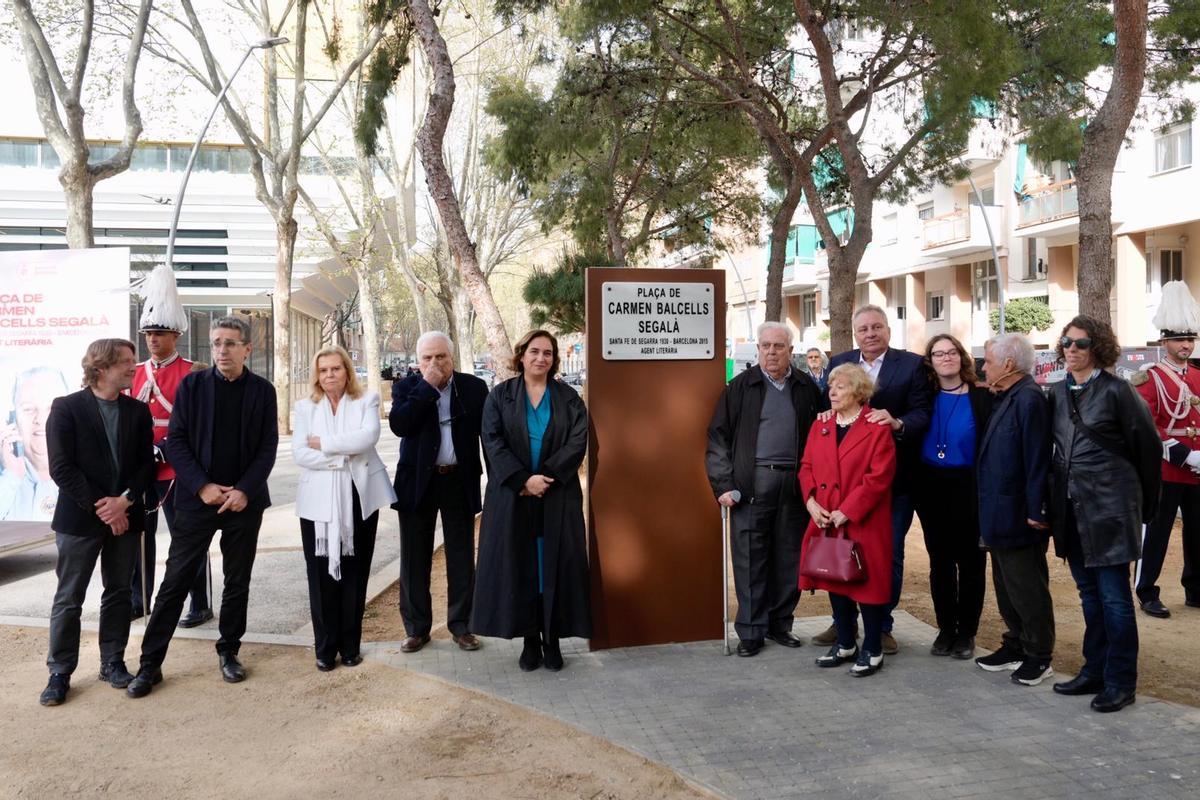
<point>226,344</point>
<point>1083,342</point>
<point>943,354</point>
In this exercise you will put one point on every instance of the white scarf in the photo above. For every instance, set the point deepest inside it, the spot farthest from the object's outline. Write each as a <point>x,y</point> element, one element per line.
<point>336,537</point>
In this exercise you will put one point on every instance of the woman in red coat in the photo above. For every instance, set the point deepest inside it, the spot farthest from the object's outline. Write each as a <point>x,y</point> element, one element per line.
<point>846,480</point>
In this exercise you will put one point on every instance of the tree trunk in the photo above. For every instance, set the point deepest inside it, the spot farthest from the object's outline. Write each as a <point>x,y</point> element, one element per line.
<point>781,225</point>
<point>1102,140</point>
<point>441,187</point>
<point>617,249</point>
<point>281,306</point>
<point>463,333</point>
<point>842,281</point>
<point>78,188</point>
<point>370,328</point>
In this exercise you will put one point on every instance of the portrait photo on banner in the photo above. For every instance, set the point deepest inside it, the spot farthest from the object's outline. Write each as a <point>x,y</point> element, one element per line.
<point>53,303</point>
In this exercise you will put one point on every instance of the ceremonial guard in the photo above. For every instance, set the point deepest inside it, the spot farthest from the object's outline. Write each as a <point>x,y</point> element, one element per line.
<point>154,383</point>
<point>1172,390</point>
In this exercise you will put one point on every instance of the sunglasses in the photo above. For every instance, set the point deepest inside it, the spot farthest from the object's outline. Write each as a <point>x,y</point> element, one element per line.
<point>1083,342</point>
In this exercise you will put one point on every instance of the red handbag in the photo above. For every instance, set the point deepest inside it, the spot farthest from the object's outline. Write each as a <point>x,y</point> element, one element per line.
<point>833,557</point>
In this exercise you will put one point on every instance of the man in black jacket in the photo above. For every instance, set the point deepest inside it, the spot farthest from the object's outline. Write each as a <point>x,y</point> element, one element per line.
<point>755,442</point>
<point>437,413</point>
<point>101,449</point>
<point>222,440</point>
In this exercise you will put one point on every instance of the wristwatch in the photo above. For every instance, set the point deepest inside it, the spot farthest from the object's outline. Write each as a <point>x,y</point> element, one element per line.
<point>129,495</point>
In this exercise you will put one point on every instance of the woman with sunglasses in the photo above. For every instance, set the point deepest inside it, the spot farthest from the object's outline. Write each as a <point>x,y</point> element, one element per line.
<point>1105,482</point>
<point>945,496</point>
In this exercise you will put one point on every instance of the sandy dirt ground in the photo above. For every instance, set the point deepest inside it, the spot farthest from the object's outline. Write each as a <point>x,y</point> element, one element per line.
<point>1169,650</point>
<point>290,731</point>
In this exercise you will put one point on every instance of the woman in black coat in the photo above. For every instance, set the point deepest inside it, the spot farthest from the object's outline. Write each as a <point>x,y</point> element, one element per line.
<point>1106,472</point>
<point>945,496</point>
<point>532,575</point>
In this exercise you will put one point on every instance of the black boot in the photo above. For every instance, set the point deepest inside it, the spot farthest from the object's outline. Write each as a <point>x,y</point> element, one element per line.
<point>550,652</point>
<point>531,656</point>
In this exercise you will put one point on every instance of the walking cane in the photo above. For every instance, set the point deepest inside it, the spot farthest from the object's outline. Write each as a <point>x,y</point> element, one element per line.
<point>736,496</point>
<point>145,597</point>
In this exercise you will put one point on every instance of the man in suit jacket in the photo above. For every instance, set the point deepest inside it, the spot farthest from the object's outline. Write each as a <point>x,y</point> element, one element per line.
<point>1011,464</point>
<point>222,441</point>
<point>903,400</point>
<point>437,413</point>
<point>101,451</point>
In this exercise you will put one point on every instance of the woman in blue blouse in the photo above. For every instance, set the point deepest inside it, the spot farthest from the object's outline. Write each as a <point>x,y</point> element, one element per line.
<point>532,576</point>
<point>945,496</point>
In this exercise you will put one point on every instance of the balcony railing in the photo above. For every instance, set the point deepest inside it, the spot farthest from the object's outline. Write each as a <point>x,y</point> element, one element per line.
<point>947,229</point>
<point>1056,201</point>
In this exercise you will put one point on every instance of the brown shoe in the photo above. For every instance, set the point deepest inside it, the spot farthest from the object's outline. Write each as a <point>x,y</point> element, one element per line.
<point>890,645</point>
<point>467,641</point>
<point>827,637</point>
<point>414,643</point>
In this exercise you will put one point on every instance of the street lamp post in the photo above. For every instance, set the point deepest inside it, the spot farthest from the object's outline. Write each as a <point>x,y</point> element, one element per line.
<point>987,225</point>
<point>265,44</point>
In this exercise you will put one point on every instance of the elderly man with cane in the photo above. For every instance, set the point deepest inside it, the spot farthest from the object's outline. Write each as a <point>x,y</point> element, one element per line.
<point>755,442</point>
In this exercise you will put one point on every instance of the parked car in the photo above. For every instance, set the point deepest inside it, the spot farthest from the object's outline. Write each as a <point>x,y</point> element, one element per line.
<point>486,375</point>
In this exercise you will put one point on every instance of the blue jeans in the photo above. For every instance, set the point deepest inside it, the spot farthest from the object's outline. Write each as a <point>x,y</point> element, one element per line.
<point>902,517</point>
<point>1110,636</point>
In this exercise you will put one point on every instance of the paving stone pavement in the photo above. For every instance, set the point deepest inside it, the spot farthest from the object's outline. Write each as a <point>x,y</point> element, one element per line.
<point>777,726</point>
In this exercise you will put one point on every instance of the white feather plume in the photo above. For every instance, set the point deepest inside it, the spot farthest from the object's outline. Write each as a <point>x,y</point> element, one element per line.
<point>162,305</point>
<point>1178,310</point>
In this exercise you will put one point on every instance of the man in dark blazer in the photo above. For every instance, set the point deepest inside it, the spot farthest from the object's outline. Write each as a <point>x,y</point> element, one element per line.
<point>903,400</point>
<point>101,451</point>
<point>222,440</point>
<point>1011,465</point>
<point>437,413</point>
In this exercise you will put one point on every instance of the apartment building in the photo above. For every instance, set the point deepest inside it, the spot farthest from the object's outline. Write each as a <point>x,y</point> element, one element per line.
<point>932,263</point>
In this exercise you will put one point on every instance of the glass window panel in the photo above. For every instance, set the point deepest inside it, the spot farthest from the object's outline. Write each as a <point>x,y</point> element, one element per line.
<point>101,152</point>
<point>151,158</point>
<point>212,159</point>
<point>239,160</point>
<point>19,154</point>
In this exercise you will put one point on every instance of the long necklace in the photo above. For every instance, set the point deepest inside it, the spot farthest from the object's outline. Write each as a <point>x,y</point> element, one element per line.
<point>944,421</point>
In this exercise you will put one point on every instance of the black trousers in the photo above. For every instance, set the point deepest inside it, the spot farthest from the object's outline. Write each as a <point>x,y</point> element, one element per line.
<point>1022,584</point>
<point>159,494</point>
<point>1175,498</point>
<point>766,536</point>
<point>192,535</point>
<point>337,606</point>
<point>446,496</point>
<point>76,562</point>
<point>957,564</point>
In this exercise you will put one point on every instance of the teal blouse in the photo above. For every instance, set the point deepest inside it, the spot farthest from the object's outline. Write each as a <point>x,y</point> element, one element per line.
<point>537,420</point>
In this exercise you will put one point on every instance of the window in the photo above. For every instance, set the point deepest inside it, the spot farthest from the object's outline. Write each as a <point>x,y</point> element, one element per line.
<point>19,154</point>
<point>1173,147</point>
<point>987,194</point>
<point>150,158</point>
<point>935,306</point>
<point>888,229</point>
<point>987,286</point>
<point>925,211</point>
<point>808,310</point>
<point>1035,268</point>
<point>1170,266</point>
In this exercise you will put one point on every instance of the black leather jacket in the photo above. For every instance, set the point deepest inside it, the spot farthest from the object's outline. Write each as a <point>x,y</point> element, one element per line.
<point>1112,490</point>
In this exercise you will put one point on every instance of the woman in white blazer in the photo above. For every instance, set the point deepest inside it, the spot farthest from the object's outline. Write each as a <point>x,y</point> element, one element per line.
<point>343,484</point>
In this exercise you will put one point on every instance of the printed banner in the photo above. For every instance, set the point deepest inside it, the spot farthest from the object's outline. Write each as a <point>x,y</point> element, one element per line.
<point>53,303</point>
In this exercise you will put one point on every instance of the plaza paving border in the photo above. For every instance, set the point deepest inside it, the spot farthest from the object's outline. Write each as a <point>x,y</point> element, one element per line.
<point>778,726</point>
